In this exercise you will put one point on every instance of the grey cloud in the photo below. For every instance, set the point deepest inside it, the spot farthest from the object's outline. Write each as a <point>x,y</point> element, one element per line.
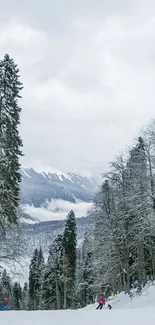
<point>59,13</point>
<point>88,71</point>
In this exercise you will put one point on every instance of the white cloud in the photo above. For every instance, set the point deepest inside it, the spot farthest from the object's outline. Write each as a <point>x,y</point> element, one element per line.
<point>51,212</point>
<point>17,33</point>
<point>26,44</point>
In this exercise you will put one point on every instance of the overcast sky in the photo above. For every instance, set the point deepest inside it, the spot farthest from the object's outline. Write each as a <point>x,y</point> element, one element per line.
<point>88,68</point>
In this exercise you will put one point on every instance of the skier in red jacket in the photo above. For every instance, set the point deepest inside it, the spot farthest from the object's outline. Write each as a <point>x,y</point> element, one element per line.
<point>101,303</point>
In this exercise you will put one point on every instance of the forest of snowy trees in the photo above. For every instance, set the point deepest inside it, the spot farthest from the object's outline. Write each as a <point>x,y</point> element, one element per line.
<point>52,284</point>
<point>121,254</point>
<point>124,214</point>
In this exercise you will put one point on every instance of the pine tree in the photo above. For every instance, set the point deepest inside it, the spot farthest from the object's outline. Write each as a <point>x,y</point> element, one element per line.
<point>24,300</point>
<point>40,277</point>
<point>69,260</point>
<point>88,271</point>
<point>10,141</point>
<point>137,167</point>
<point>52,284</point>
<point>17,296</point>
<point>80,285</point>
<point>85,273</point>
<point>106,257</point>
<point>34,281</point>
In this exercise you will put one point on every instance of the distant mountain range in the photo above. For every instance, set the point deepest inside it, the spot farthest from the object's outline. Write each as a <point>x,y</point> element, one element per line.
<point>38,188</point>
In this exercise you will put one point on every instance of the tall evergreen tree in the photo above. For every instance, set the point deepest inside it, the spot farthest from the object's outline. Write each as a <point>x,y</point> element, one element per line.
<point>40,278</point>
<point>35,281</point>
<point>88,271</point>
<point>24,300</point>
<point>10,141</point>
<point>69,259</point>
<point>53,283</point>
<point>137,167</point>
<point>17,296</point>
<point>85,273</point>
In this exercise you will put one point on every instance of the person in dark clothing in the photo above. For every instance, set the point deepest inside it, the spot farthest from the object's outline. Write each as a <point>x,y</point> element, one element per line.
<point>99,306</point>
<point>101,303</point>
<point>109,307</point>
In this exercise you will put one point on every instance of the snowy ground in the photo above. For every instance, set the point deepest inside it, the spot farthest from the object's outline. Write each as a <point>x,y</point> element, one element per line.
<point>80,317</point>
<point>139,310</point>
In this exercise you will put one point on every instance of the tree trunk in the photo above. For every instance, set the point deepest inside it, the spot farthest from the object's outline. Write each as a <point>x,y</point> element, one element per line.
<point>57,290</point>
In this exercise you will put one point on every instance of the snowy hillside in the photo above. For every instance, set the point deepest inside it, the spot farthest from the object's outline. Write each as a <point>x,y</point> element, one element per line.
<point>145,299</point>
<point>43,233</point>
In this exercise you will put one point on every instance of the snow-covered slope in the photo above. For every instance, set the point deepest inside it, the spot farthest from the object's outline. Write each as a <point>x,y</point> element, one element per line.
<point>141,310</point>
<point>122,301</point>
<point>79,317</point>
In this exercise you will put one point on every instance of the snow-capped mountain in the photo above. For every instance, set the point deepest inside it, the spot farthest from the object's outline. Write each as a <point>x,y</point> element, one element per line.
<point>48,195</point>
<point>38,187</point>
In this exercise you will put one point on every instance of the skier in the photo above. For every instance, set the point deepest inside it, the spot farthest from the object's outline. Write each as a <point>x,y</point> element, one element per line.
<point>101,303</point>
<point>109,307</point>
<point>6,301</point>
<point>5,304</point>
